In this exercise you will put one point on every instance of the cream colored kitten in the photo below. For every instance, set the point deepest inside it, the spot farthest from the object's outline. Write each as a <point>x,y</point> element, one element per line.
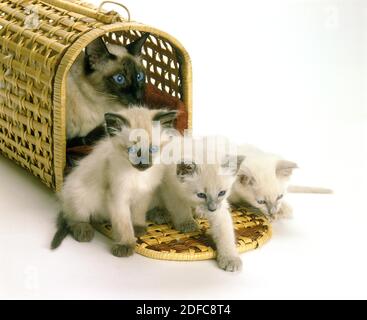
<point>262,182</point>
<point>201,189</point>
<point>115,182</point>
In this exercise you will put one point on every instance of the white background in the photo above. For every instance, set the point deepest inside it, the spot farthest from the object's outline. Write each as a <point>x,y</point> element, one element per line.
<point>288,76</point>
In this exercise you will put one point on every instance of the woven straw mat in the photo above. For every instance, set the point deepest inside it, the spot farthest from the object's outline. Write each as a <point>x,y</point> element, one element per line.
<point>165,243</point>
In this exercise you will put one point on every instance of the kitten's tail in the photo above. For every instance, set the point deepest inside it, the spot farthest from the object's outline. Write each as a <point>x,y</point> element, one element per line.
<point>304,189</point>
<point>61,233</point>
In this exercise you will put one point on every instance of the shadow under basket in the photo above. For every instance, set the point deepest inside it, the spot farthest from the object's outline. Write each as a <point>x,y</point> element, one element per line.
<point>34,64</point>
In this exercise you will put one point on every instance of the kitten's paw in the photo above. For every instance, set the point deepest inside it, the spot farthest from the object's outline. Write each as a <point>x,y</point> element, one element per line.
<point>188,226</point>
<point>82,232</point>
<point>157,216</point>
<point>229,263</point>
<point>123,250</point>
<point>140,230</point>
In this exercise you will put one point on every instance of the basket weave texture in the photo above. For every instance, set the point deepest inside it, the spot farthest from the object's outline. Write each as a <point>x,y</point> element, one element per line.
<point>35,57</point>
<point>165,243</point>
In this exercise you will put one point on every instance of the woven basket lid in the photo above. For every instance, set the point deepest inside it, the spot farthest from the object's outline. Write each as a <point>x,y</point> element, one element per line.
<point>165,243</point>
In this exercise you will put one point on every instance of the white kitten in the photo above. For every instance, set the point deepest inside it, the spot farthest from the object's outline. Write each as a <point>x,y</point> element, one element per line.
<point>262,182</point>
<point>114,183</point>
<point>202,189</point>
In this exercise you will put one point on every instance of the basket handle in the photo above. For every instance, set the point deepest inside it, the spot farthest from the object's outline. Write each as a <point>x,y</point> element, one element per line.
<point>118,4</point>
<point>98,14</point>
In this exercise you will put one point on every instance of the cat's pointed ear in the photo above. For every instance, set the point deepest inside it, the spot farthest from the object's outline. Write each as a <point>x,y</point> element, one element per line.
<point>115,123</point>
<point>232,163</point>
<point>186,169</point>
<point>245,176</point>
<point>134,48</point>
<point>166,118</point>
<point>96,52</point>
<point>285,168</point>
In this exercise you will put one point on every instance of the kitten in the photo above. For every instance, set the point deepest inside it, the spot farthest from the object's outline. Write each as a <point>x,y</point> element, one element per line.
<point>115,182</point>
<point>201,189</point>
<point>262,182</point>
<point>104,78</point>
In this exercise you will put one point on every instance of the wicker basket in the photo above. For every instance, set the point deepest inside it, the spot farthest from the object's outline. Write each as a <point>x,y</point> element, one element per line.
<point>34,63</point>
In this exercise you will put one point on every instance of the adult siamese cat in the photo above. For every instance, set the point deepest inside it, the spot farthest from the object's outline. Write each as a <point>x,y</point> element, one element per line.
<point>104,78</point>
<point>116,181</point>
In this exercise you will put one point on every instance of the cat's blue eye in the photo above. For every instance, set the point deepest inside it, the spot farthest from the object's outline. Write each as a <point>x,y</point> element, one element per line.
<point>131,150</point>
<point>119,78</point>
<point>201,195</point>
<point>280,197</point>
<point>140,76</point>
<point>222,193</point>
<point>261,201</point>
<point>153,149</point>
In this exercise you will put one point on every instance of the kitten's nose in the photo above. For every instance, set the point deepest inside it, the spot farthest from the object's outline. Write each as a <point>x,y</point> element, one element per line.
<point>142,166</point>
<point>272,209</point>
<point>212,207</point>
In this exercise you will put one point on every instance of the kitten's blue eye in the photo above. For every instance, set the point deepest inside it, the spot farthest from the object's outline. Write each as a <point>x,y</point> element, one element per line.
<point>201,195</point>
<point>261,201</point>
<point>140,76</point>
<point>153,149</point>
<point>280,197</point>
<point>119,78</point>
<point>222,193</point>
<point>131,150</point>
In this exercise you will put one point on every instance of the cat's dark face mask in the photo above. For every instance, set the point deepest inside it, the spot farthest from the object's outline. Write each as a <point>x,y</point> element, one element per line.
<point>121,77</point>
<point>126,82</point>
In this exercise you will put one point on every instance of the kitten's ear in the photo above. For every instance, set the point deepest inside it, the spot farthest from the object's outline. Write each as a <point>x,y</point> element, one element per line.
<point>285,168</point>
<point>134,48</point>
<point>233,163</point>
<point>185,170</point>
<point>96,52</point>
<point>115,123</point>
<point>245,177</point>
<point>166,118</point>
